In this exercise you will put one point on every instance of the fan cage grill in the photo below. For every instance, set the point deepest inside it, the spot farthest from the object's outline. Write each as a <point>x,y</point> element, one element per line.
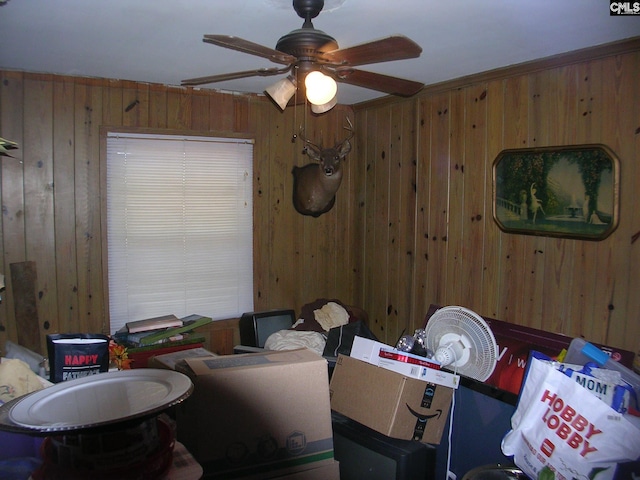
<point>461,321</point>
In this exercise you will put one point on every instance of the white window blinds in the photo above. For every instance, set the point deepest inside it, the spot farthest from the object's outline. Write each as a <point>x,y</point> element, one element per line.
<point>180,226</point>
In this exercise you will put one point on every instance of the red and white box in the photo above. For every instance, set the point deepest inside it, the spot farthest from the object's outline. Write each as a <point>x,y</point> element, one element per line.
<point>407,364</point>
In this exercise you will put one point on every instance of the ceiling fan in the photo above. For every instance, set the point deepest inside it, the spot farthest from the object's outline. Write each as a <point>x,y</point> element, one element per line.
<point>306,50</point>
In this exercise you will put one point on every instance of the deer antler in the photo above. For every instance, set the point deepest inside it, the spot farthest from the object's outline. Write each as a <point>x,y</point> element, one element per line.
<point>307,141</point>
<point>350,129</point>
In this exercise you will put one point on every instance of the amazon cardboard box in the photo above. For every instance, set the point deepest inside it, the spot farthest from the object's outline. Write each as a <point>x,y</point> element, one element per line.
<point>391,403</point>
<point>176,360</point>
<point>264,414</point>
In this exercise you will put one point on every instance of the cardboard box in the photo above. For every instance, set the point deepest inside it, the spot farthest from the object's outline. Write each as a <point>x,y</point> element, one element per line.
<point>388,402</point>
<point>175,360</point>
<point>366,349</point>
<point>263,413</point>
<point>401,364</point>
<point>383,355</point>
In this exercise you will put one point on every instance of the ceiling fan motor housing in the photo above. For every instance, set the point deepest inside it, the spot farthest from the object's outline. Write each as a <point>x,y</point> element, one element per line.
<point>306,43</point>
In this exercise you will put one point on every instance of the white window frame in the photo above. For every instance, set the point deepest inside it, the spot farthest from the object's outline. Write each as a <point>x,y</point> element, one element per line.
<point>179,226</point>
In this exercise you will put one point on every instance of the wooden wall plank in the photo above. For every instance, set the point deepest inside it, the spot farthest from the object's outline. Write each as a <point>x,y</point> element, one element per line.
<point>380,241</point>
<point>24,278</point>
<point>201,117</point>
<point>112,104</point>
<point>492,279</point>
<point>439,163</point>
<point>158,106</point>
<point>13,230</point>
<point>584,275</point>
<point>538,250</point>
<point>560,108</point>
<point>343,268</point>
<point>222,341</point>
<point>367,155</point>
<point>421,296</point>
<point>515,127</point>
<point>476,209</point>
<point>402,221</point>
<point>64,205</point>
<point>594,116</point>
<point>221,112</point>
<point>135,103</point>
<point>179,108</point>
<point>260,117</point>
<point>455,225</point>
<point>618,130</point>
<point>284,238</point>
<point>395,324</point>
<point>38,197</point>
<point>88,115</point>
<point>241,109</point>
<point>408,319</point>
<point>630,131</point>
<point>355,192</point>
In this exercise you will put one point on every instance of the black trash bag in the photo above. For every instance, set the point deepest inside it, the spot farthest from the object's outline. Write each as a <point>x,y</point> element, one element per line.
<point>77,355</point>
<point>340,339</point>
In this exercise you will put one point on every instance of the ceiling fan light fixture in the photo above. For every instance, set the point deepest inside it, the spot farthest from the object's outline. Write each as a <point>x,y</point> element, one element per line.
<point>324,107</point>
<point>282,91</point>
<point>321,89</point>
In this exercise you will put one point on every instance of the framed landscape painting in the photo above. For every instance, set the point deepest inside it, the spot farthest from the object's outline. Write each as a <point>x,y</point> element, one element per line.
<point>569,191</point>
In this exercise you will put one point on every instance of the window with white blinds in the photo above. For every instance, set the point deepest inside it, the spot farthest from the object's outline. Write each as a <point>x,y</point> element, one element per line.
<point>179,226</point>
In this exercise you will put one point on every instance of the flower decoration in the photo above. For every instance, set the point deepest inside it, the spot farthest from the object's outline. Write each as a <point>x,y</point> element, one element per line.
<point>119,356</point>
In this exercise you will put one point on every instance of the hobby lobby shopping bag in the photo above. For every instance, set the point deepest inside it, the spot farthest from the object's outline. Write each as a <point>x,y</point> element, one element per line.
<point>561,431</point>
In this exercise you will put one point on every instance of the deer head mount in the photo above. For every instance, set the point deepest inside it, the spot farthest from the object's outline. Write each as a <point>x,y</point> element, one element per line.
<point>315,184</point>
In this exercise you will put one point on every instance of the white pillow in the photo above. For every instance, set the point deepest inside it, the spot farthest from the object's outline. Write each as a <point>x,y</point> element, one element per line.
<point>292,339</point>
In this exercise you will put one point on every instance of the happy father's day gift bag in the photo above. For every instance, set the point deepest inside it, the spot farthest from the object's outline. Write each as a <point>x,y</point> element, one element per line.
<point>560,430</point>
<point>77,355</point>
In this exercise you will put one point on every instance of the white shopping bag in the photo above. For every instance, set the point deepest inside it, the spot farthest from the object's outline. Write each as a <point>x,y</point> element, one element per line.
<point>561,431</point>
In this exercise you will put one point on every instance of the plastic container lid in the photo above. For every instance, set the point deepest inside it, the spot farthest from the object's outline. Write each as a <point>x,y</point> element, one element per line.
<point>595,354</point>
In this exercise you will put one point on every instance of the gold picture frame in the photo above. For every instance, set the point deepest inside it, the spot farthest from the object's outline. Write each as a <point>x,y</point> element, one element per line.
<point>568,191</point>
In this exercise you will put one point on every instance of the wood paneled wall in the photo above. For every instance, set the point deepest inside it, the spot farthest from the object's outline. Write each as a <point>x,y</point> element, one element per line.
<point>53,211</point>
<point>413,220</point>
<point>430,236</point>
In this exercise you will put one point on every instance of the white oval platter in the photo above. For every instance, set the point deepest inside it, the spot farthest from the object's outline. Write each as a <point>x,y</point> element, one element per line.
<point>98,400</point>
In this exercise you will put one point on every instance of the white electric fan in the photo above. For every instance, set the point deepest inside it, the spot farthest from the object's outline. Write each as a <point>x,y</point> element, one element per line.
<point>462,341</point>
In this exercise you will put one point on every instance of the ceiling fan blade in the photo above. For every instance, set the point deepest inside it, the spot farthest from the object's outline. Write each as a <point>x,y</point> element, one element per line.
<point>261,72</point>
<point>245,46</point>
<point>377,81</point>
<point>397,47</point>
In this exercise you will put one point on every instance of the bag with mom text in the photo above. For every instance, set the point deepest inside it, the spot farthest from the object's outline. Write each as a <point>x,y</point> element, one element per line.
<point>562,431</point>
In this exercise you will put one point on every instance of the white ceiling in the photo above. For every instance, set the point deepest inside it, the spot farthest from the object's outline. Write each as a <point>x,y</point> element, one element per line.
<point>160,41</point>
